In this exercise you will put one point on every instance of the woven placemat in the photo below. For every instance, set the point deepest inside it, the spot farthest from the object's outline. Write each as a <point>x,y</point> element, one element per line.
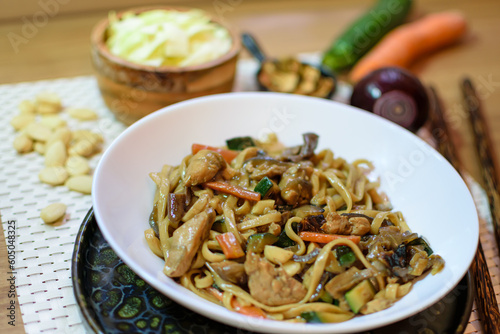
<point>43,257</point>
<point>43,252</point>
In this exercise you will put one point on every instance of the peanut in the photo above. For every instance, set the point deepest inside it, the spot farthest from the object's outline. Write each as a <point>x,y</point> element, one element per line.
<point>77,165</point>
<point>53,121</point>
<point>80,183</point>
<point>53,212</point>
<point>63,134</point>
<point>53,175</point>
<point>21,121</point>
<point>83,148</point>
<point>48,103</point>
<point>23,144</point>
<point>27,107</point>
<point>39,147</point>
<point>94,138</point>
<point>38,131</point>
<point>82,114</point>
<point>46,109</point>
<point>55,154</point>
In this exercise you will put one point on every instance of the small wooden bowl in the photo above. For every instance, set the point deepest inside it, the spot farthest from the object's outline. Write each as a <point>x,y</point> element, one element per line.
<point>131,91</point>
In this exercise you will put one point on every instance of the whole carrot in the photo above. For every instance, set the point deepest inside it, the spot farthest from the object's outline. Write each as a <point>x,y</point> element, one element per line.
<point>405,44</point>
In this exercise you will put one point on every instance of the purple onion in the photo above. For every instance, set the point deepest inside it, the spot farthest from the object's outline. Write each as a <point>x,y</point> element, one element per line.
<point>395,94</point>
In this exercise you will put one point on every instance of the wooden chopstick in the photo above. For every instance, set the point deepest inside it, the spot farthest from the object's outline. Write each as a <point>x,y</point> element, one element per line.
<point>486,303</point>
<point>485,153</point>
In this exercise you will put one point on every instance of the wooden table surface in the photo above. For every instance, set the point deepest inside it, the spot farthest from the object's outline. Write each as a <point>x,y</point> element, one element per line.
<point>59,47</point>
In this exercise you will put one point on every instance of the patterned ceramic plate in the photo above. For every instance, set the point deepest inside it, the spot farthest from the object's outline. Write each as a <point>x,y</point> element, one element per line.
<point>113,299</point>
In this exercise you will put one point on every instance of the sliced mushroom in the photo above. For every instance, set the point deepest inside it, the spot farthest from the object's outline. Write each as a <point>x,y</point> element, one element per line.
<point>295,188</point>
<point>305,151</point>
<point>260,167</point>
<point>231,271</point>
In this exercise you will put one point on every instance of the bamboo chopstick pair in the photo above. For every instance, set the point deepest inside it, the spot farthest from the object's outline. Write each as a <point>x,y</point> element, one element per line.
<point>486,303</point>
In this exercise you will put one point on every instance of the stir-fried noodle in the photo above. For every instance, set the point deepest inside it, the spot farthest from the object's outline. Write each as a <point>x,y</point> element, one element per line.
<point>283,233</point>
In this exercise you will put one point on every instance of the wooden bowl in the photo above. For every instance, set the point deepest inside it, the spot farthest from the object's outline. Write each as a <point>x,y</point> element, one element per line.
<point>131,91</point>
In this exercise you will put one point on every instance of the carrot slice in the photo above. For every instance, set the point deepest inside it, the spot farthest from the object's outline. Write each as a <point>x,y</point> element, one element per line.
<point>249,310</point>
<point>324,238</point>
<point>230,245</point>
<point>233,190</point>
<point>228,155</point>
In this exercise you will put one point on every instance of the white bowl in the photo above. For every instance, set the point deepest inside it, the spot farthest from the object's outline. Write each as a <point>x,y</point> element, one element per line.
<point>421,183</point>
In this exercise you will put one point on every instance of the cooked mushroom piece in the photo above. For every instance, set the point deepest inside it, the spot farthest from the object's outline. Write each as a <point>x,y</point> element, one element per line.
<point>260,167</point>
<point>231,271</point>
<point>176,207</point>
<point>305,151</point>
<point>312,223</point>
<point>338,285</point>
<point>295,188</point>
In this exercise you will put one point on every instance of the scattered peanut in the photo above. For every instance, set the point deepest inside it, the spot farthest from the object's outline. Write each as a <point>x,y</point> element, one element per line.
<point>53,121</point>
<point>42,129</point>
<point>27,107</point>
<point>53,175</point>
<point>55,154</point>
<point>48,103</point>
<point>84,148</point>
<point>77,165</point>
<point>21,121</point>
<point>82,114</point>
<point>53,212</point>
<point>63,134</point>
<point>39,147</point>
<point>38,131</point>
<point>46,109</point>
<point>23,144</point>
<point>94,138</point>
<point>80,183</point>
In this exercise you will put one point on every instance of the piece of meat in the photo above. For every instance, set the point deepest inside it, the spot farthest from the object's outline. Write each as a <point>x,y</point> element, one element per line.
<point>203,167</point>
<point>231,271</point>
<point>345,281</point>
<point>176,207</point>
<point>296,189</point>
<point>271,285</point>
<point>338,224</point>
<point>185,242</point>
<point>360,225</point>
